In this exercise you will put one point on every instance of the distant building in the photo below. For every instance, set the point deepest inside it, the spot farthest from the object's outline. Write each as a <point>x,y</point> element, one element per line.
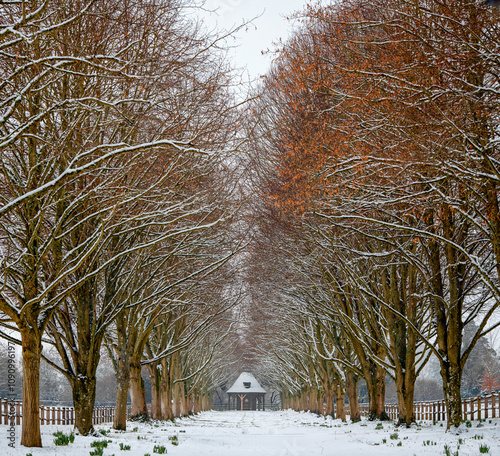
<point>246,394</point>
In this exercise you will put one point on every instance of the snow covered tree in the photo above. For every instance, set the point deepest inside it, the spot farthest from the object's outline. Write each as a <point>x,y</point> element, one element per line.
<point>381,124</point>
<point>94,97</point>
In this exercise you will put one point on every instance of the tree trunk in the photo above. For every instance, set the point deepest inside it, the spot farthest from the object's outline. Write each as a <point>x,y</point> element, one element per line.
<point>313,400</point>
<point>84,390</point>
<point>321,404</point>
<point>410,393</point>
<point>155,391</point>
<point>352,394</point>
<point>184,401</point>
<point>137,391</point>
<point>177,400</point>
<point>166,392</point>
<point>452,379</point>
<point>340,401</point>
<point>123,381</point>
<point>380,393</point>
<point>32,352</point>
<point>304,400</point>
<point>376,393</point>
<point>405,392</point>
<point>196,403</point>
<point>285,403</point>
<point>206,400</point>
<point>329,406</point>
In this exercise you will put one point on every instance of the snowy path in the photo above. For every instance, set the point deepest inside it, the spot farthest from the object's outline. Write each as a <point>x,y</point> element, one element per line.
<point>283,433</point>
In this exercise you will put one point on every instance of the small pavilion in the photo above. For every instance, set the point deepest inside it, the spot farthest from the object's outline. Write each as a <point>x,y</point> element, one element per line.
<point>246,394</point>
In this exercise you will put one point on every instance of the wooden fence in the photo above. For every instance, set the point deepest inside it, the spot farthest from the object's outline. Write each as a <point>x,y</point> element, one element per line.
<point>54,414</point>
<point>473,408</point>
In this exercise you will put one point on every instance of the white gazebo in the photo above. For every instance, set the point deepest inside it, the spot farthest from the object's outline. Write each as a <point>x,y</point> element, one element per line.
<point>246,394</point>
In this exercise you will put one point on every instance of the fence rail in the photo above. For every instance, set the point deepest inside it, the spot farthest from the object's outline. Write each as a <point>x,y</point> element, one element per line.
<point>473,408</point>
<point>54,414</point>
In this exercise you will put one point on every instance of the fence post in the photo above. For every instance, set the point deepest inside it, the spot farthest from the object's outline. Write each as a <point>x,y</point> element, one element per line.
<point>18,412</point>
<point>493,406</point>
<point>5,411</point>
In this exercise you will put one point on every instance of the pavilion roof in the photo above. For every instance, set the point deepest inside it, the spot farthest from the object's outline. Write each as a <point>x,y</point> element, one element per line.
<point>246,383</point>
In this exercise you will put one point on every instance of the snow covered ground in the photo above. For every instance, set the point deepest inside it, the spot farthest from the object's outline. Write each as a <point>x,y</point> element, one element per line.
<point>283,433</point>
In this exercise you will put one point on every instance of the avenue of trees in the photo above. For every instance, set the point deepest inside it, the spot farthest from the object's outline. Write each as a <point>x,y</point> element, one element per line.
<point>116,124</point>
<point>377,154</point>
<point>340,227</point>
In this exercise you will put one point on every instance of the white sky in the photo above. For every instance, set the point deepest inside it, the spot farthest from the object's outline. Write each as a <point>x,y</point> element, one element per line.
<point>258,36</point>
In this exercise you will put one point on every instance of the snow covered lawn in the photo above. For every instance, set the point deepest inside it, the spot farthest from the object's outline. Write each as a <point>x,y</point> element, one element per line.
<point>283,433</point>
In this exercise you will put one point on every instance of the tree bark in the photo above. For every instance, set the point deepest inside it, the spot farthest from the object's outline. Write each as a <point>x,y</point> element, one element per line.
<point>375,384</point>
<point>167,412</point>
<point>351,384</point>
<point>84,390</point>
<point>176,397</point>
<point>137,391</point>
<point>32,352</point>
<point>329,406</point>
<point>154,375</point>
<point>184,400</point>
<point>122,386</point>
<point>304,400</point>
<point>380,393</point>
<point>405,392</point>
<point>340,400</point>
<point>313,400</point>
<point>196,403</point>
<point>451,374</point>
